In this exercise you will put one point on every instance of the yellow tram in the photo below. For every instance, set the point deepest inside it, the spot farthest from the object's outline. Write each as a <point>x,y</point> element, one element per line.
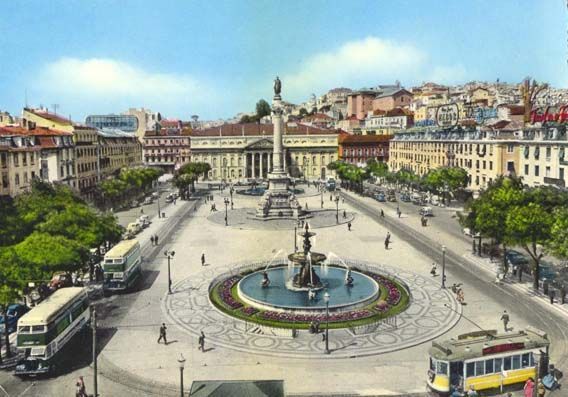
<point>485,359</point>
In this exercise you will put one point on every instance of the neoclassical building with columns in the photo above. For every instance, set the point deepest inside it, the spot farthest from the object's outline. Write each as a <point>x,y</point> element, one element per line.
<point>238,151</point>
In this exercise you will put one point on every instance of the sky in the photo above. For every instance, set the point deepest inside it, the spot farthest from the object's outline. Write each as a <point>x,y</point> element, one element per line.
<point>217,58</point>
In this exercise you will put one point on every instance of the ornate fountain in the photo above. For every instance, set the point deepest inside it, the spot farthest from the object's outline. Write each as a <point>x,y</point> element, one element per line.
<point>307,278</point>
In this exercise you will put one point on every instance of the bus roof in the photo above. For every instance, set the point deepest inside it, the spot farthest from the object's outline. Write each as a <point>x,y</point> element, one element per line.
<point>121,249</point>
<point>43,313</point>
<point>468,346</point>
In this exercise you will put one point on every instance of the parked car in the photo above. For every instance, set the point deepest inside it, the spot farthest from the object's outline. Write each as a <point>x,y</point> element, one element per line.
<point>547,271</point>
<point>515,258</point>
<point>132,229</point>
<point>144,220</point>
<point>426,211</point>
<point>380,197</point>
<point>148,200</point>
<point>10,320</point>
<point>60,280</point>
<point>405,197</point>
<point>170,198</point>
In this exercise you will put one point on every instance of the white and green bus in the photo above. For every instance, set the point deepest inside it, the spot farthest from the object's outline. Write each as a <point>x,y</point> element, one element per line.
<point>44,330</point>
<point>122,265</point>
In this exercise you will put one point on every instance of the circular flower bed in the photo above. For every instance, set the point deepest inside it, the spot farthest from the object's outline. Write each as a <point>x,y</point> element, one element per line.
<point>393,299</point>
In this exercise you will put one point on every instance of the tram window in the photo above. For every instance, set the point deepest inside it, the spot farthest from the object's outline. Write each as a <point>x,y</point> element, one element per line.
<point>432,364</point>
<point>479,368</point>
<point>532,360</point>
<point>498,364</point>
<point>442,368</point>
<point>489,366</point>
<point>516,362</point>
<point>525,360</point>
<point>470,370</point>
<point>507,363</point>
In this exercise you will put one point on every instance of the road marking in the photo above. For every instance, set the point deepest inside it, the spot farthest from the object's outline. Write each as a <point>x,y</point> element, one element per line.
<point>5,392</point>
<point>26,390</point>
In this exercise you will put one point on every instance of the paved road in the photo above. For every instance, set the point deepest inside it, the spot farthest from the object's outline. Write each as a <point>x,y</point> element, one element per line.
<point>553,323</point>
<point>110,310</point>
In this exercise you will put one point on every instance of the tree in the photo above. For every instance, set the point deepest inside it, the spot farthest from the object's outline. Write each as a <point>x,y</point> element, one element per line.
<point>262,109</point>
<point>194,170</point>
<point>530,226</point>
<point>444,180</point>
<point>182,182</point>
<point>558,243</point>
<point>303,112</point>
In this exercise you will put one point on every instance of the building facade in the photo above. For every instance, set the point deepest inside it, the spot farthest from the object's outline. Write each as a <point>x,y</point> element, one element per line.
<point>86,160</point>
<point>389,100</point>
<point>19,161</point>
<point>357,149</point>
<point>168,152</point>
<point>117,150</point>
<point>238,151</point>
<point>147,120</point>
<point>124,122</point>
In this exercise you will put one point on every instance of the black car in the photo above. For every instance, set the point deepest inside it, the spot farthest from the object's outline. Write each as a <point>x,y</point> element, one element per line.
<point>515,258</point>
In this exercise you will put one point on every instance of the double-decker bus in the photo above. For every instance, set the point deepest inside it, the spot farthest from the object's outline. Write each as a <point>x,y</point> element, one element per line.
<point>486,360</point>
<point>46,329</point>
<point>122,265</point>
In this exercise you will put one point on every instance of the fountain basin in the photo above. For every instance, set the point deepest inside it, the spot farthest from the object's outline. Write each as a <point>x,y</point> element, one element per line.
<point>282,296</point>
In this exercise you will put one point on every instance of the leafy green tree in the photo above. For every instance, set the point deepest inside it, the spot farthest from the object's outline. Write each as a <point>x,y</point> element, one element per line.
<point>444,180</point>
<point>529,226</point>
<point>194,169</point>
<point>262,109</point>
<point>558,243</point>
<point>12,229</point>
<point>183,182</point>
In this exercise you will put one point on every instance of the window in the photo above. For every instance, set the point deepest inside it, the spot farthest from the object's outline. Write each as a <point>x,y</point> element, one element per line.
<point>561,175</point>
<point>491,165</point>
<point>498,364</point>
<point>470,370</point>
<point>526,360</point>
<point>510,148</point>
<point>484,164</point>
<point>548,150</point>
<point>507,363</point>
<point>17,180</point>
<point>16,159</point>
<point>511,166</point>
<point>536,170</point>
<point>526,169</point>
<point>489,366</point>
<point>547,172</point>
<point>442,368</point>
<point>477,164</point>
<point>516,362</point>
<point>479,368</point>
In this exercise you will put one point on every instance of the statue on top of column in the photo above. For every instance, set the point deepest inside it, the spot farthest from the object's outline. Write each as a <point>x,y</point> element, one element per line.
<point>277,86</point>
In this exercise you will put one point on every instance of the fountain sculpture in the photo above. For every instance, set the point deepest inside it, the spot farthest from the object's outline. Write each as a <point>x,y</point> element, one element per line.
<point>307,277</point>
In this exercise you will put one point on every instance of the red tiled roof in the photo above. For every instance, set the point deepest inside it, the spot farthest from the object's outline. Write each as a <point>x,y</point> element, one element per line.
<point>46,142</point>
<point>320,116</point>
<point>170,123</point>
<point>515,110</point>
<point>36,131</point>
<point>49,116</point>
<point>253,129</point>
<point>354,139</point>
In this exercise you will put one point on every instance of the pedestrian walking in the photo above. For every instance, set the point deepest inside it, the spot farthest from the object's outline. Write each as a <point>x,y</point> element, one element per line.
<point>202,342</point>
<point>540,390</point>
<point>152,239</point>
<point>382,213</point>
<point>203,259</point>
<point>398,212</point>
<point>562,294</point>
<point>349,226</point>
<point>323,337</point>
<point>156,239</point>
<point>344,214</point>
<point>433,270</point>
<point>141,211</point>
<point>81,388</point>
<point>505,319</point>
<point>163,329</point>
<point>528,389</point>
<point>460,296</point>
<point>551,294</point>
<point>387,242</point>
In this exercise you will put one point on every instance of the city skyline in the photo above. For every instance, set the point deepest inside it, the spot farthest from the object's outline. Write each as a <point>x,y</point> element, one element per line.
<point>104,58</point>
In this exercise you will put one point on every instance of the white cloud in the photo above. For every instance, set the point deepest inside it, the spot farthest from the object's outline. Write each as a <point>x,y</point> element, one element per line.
<point>367,62</point>
<point>98,84</point>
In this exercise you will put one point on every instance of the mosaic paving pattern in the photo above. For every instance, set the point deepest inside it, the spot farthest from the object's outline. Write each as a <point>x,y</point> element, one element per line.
<point>426,318</point>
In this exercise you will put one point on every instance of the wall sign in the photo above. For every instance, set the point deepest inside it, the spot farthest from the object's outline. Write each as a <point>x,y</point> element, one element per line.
<point>447,115</point>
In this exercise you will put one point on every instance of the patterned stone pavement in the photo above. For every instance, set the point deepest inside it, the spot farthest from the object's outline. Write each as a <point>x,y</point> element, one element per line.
<point>426,318</point>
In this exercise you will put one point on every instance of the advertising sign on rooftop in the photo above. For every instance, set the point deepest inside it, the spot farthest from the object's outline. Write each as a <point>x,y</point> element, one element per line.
<point>447,115</point>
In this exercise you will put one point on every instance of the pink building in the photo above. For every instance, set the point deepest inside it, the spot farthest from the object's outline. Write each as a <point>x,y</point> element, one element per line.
<point>168,152</point>
<point>360,103</point>
<point>393,99</point>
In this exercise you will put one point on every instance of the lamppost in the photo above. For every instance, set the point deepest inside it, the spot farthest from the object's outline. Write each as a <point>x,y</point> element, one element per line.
<point>337,208</point>
<point>443,266</point>
<point>231,192</point>
<point>158,200</point>
<point>226,211</point>
<point>326,299</point>
<point>321,193</point>
<point>169,255</point>
<point>181,362</point>
<point>295,239</point>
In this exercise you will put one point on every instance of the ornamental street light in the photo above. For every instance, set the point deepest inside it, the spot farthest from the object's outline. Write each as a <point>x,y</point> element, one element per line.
<point>170,256</point>
<point>227,202</point>
<point>337,208</point>
<point>443,266</point>
<point>181,361</point>
<point>321,192</point>
<point>231,191</point>
<point>326,299</point>
<point>158,200</point>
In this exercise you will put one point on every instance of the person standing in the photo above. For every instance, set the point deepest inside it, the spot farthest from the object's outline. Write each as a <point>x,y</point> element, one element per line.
<point>551,294</point>
<point>163,329</point>
<point>203,259</point>
<point>156,239</point>
<point>540,390</point>
<point>344,214</point>
<point>505,319</point>
<point>528,389</point>
<point>382,213</point>
<point>152,239</point>
<point>330,198</point>
<point>563,294</point>
<point>433,270</point>
<point>81,388</point>
<point>202,342</point>
<point>349,226</point>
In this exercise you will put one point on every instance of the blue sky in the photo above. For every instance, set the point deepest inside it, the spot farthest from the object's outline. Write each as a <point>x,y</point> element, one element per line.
<point>217,58</point>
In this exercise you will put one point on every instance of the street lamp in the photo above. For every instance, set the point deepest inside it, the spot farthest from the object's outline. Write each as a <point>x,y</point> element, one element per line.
<point>158,200</point>
<point>337,208</point>
<point>226,210</point>
<point>443,266</point>
<point>169,255</point>
<point>326,299</point>
<point>231,191</point>
<point>321,192</point>
<point>181,362</point>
